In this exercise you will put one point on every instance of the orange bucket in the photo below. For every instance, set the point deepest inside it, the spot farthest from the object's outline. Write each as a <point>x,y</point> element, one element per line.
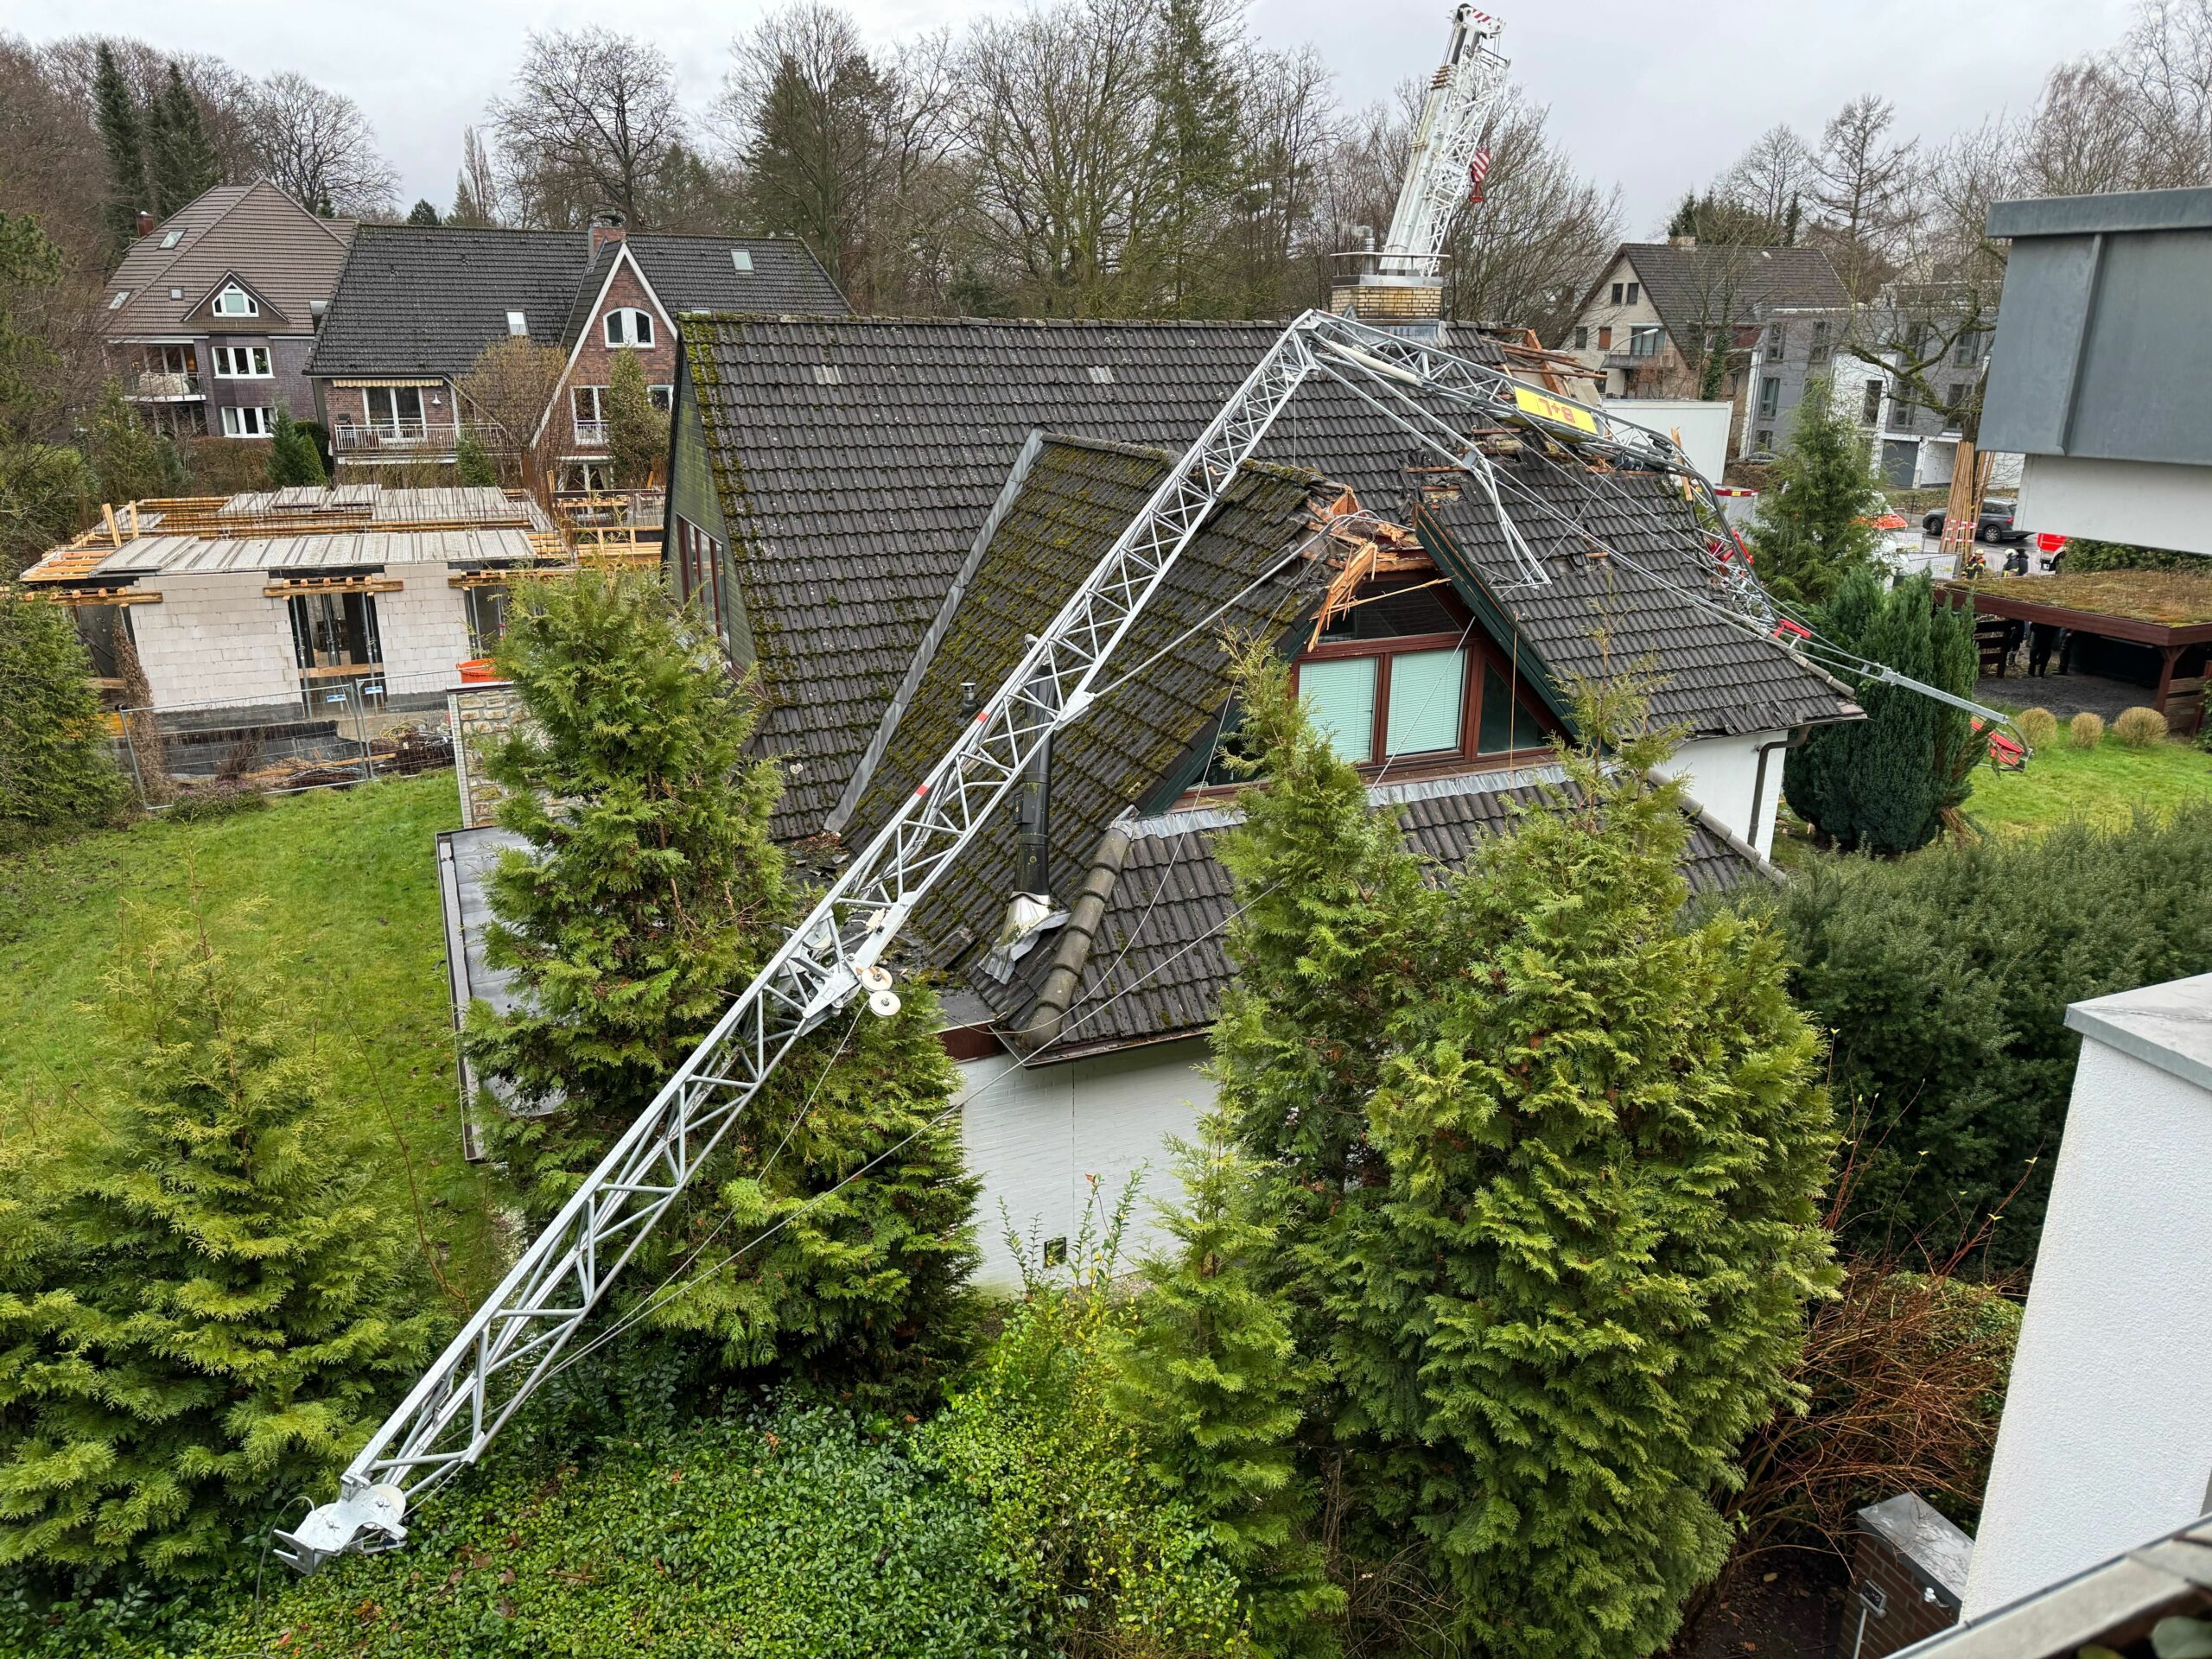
<point>478,670</point>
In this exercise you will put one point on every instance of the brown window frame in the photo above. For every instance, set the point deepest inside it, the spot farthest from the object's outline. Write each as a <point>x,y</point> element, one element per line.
<point>1480,653</point>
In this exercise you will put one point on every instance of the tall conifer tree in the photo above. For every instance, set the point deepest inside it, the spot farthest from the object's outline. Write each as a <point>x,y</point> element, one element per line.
<point>122,136</point>
<point>220,1311</point>
<point>1816,519</point>
<point>56,771</point>
<point>184,166</point>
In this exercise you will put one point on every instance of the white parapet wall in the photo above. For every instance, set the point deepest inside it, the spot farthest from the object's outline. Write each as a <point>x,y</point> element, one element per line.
<point>1039,1136</point>
<point>2106,1437</point>
<point>215,639</point>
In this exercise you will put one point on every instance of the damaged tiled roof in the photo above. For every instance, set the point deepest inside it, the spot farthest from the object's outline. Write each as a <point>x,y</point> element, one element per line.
<point>1157,963</point>
<point>1631,610</point>
<point>856,459</point>
<point>1072,498</point>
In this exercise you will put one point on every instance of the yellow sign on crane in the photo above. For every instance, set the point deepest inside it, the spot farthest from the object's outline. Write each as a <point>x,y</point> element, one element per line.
<point>1557,410</point>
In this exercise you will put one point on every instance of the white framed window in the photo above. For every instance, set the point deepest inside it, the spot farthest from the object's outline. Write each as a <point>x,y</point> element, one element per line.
<point>517,323</point>
<point>1643,339</point>
<point>176,293</point>
<point>664,398</point>
<point>170,239</point>
<point>235,301</point>
<point>589,404</point>
<point>627,325</point>
<point>740,260</point>
<point>241,362</point>
<point>252,421</point>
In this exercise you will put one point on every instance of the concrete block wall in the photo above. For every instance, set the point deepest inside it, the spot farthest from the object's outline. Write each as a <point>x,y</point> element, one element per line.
<point>216,638</point>
<point>423,628</point>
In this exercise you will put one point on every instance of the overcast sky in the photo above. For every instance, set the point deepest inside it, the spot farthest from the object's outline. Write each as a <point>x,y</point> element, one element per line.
<point>1652,97</point>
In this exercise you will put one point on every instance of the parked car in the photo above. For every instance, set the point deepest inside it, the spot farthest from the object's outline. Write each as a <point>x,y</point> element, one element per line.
<point>1995,525</point>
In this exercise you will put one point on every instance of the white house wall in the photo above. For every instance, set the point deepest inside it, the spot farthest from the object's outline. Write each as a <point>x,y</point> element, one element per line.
<point>1721,774</point>
<point>423,629</point>
<point>2144,503</point>
<point>2105,1442</point>
<point>1035,1134</point>
<point>215,639</point>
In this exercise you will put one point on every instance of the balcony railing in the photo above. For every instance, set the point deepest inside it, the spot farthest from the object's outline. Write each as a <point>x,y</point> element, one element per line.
<point>593,433</point>
<point>152,386</point>
<point>397,437</point>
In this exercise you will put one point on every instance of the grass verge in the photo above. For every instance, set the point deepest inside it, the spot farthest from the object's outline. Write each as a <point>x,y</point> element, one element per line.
<point>336,889</point>
<point>2105,785</point>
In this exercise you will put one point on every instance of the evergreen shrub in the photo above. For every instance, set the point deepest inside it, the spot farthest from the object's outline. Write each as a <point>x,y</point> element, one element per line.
<point>2139,728</point>
<point>2086,730</point>
<point>57,766</point>
<point>1945,979</point>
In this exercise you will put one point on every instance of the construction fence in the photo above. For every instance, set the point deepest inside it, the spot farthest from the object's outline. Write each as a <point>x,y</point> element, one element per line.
<point>334,734</point>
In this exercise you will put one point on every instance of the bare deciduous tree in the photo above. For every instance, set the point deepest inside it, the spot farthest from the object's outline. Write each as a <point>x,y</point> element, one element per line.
<point>591,122</point>
<point>317,146</point>
<point>505,395</point>
<point>1770,181</point>
<point>1523,255</point>
<point>1863,189</point>
<point>476,187</point>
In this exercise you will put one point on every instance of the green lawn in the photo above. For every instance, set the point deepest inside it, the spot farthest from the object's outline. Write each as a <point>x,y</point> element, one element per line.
<point>341,883</point>
<point>2104,785</point>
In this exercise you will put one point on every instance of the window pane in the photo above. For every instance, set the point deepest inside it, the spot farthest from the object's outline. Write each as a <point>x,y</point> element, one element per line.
<point>1425,690</point>
<point>1341,695</point>
<point>1502,727</point>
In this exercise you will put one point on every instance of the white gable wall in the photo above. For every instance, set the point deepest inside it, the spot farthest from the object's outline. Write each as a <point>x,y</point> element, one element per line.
<point>1035,1133</point>
<point>1722,775</point>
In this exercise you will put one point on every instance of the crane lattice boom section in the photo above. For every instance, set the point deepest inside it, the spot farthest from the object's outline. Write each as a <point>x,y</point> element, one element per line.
<point>514,1341</point>
<point>1448,142</point>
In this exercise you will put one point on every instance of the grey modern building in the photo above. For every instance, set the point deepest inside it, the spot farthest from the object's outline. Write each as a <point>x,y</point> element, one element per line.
<point>2101,375</point>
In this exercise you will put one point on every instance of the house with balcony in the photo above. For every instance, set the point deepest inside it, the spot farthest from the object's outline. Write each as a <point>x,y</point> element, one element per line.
<point>416,307</point>
<point>213,314</point>
<point>1647,326</point>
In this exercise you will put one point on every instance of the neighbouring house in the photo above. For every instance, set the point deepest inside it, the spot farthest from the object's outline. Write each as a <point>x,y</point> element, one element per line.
<point>1911,441</point>
<point>417,306</point>
<point>1794,347</point>
<point>873,513</point>
<point>295,602</point>
<point>2101,373</point>
<point>1653,316</point>
<point>2104,1444</point>
<point>211,316</point>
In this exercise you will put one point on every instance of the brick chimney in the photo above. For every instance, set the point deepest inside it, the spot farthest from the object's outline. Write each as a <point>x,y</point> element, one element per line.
<point>145,223</point>
<point>606,227</point>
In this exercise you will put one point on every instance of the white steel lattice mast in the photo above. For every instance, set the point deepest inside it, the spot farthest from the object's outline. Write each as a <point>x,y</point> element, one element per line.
<point>1402,282</point>
<point>514,1341</point>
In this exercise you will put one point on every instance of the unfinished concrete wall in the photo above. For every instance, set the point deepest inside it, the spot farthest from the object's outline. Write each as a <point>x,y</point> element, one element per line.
<point>216,638</point>
<point>423,628</point>
<point>1034,1135</point>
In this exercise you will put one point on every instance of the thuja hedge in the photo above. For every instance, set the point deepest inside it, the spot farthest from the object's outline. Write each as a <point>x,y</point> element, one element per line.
<point>1944,978</point>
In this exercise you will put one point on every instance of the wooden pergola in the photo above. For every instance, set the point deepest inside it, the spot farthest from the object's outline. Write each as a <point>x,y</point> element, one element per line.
<point>2176,642</point>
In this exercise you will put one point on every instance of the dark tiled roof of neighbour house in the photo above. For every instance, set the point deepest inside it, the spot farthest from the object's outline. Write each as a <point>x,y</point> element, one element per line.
<point>1153,964</point>
<point>1696,287</point>
<point>284,253</point>
<point>422,300</point>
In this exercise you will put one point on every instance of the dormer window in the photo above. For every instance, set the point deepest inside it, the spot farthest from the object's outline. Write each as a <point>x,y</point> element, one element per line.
<point>517,324</point>
<point>172,239</point>
<point>741,260</point>
<point>235,301</point>
<point>629,327</point>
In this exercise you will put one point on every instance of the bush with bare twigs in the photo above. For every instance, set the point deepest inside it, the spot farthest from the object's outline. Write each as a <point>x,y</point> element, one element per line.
<point>2085,730</point>
<point>2039,727</point>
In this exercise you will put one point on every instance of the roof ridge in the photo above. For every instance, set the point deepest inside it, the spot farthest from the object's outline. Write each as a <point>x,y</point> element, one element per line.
<point>1039,323</point>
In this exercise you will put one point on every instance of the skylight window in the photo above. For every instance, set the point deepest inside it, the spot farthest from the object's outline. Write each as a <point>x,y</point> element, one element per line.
<point>1101,375</point>
<point>121,295</point>
<point>172,238</point>
<point>176,293</point>
<point>740,260</point>
<point>517,323</point>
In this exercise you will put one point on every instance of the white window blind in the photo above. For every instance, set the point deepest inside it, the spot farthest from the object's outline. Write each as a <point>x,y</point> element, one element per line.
<point>1426,689</point>
<point>1341,694</point>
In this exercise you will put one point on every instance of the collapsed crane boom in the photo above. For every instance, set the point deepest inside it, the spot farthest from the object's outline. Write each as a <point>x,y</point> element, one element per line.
<point>514,1341</point>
